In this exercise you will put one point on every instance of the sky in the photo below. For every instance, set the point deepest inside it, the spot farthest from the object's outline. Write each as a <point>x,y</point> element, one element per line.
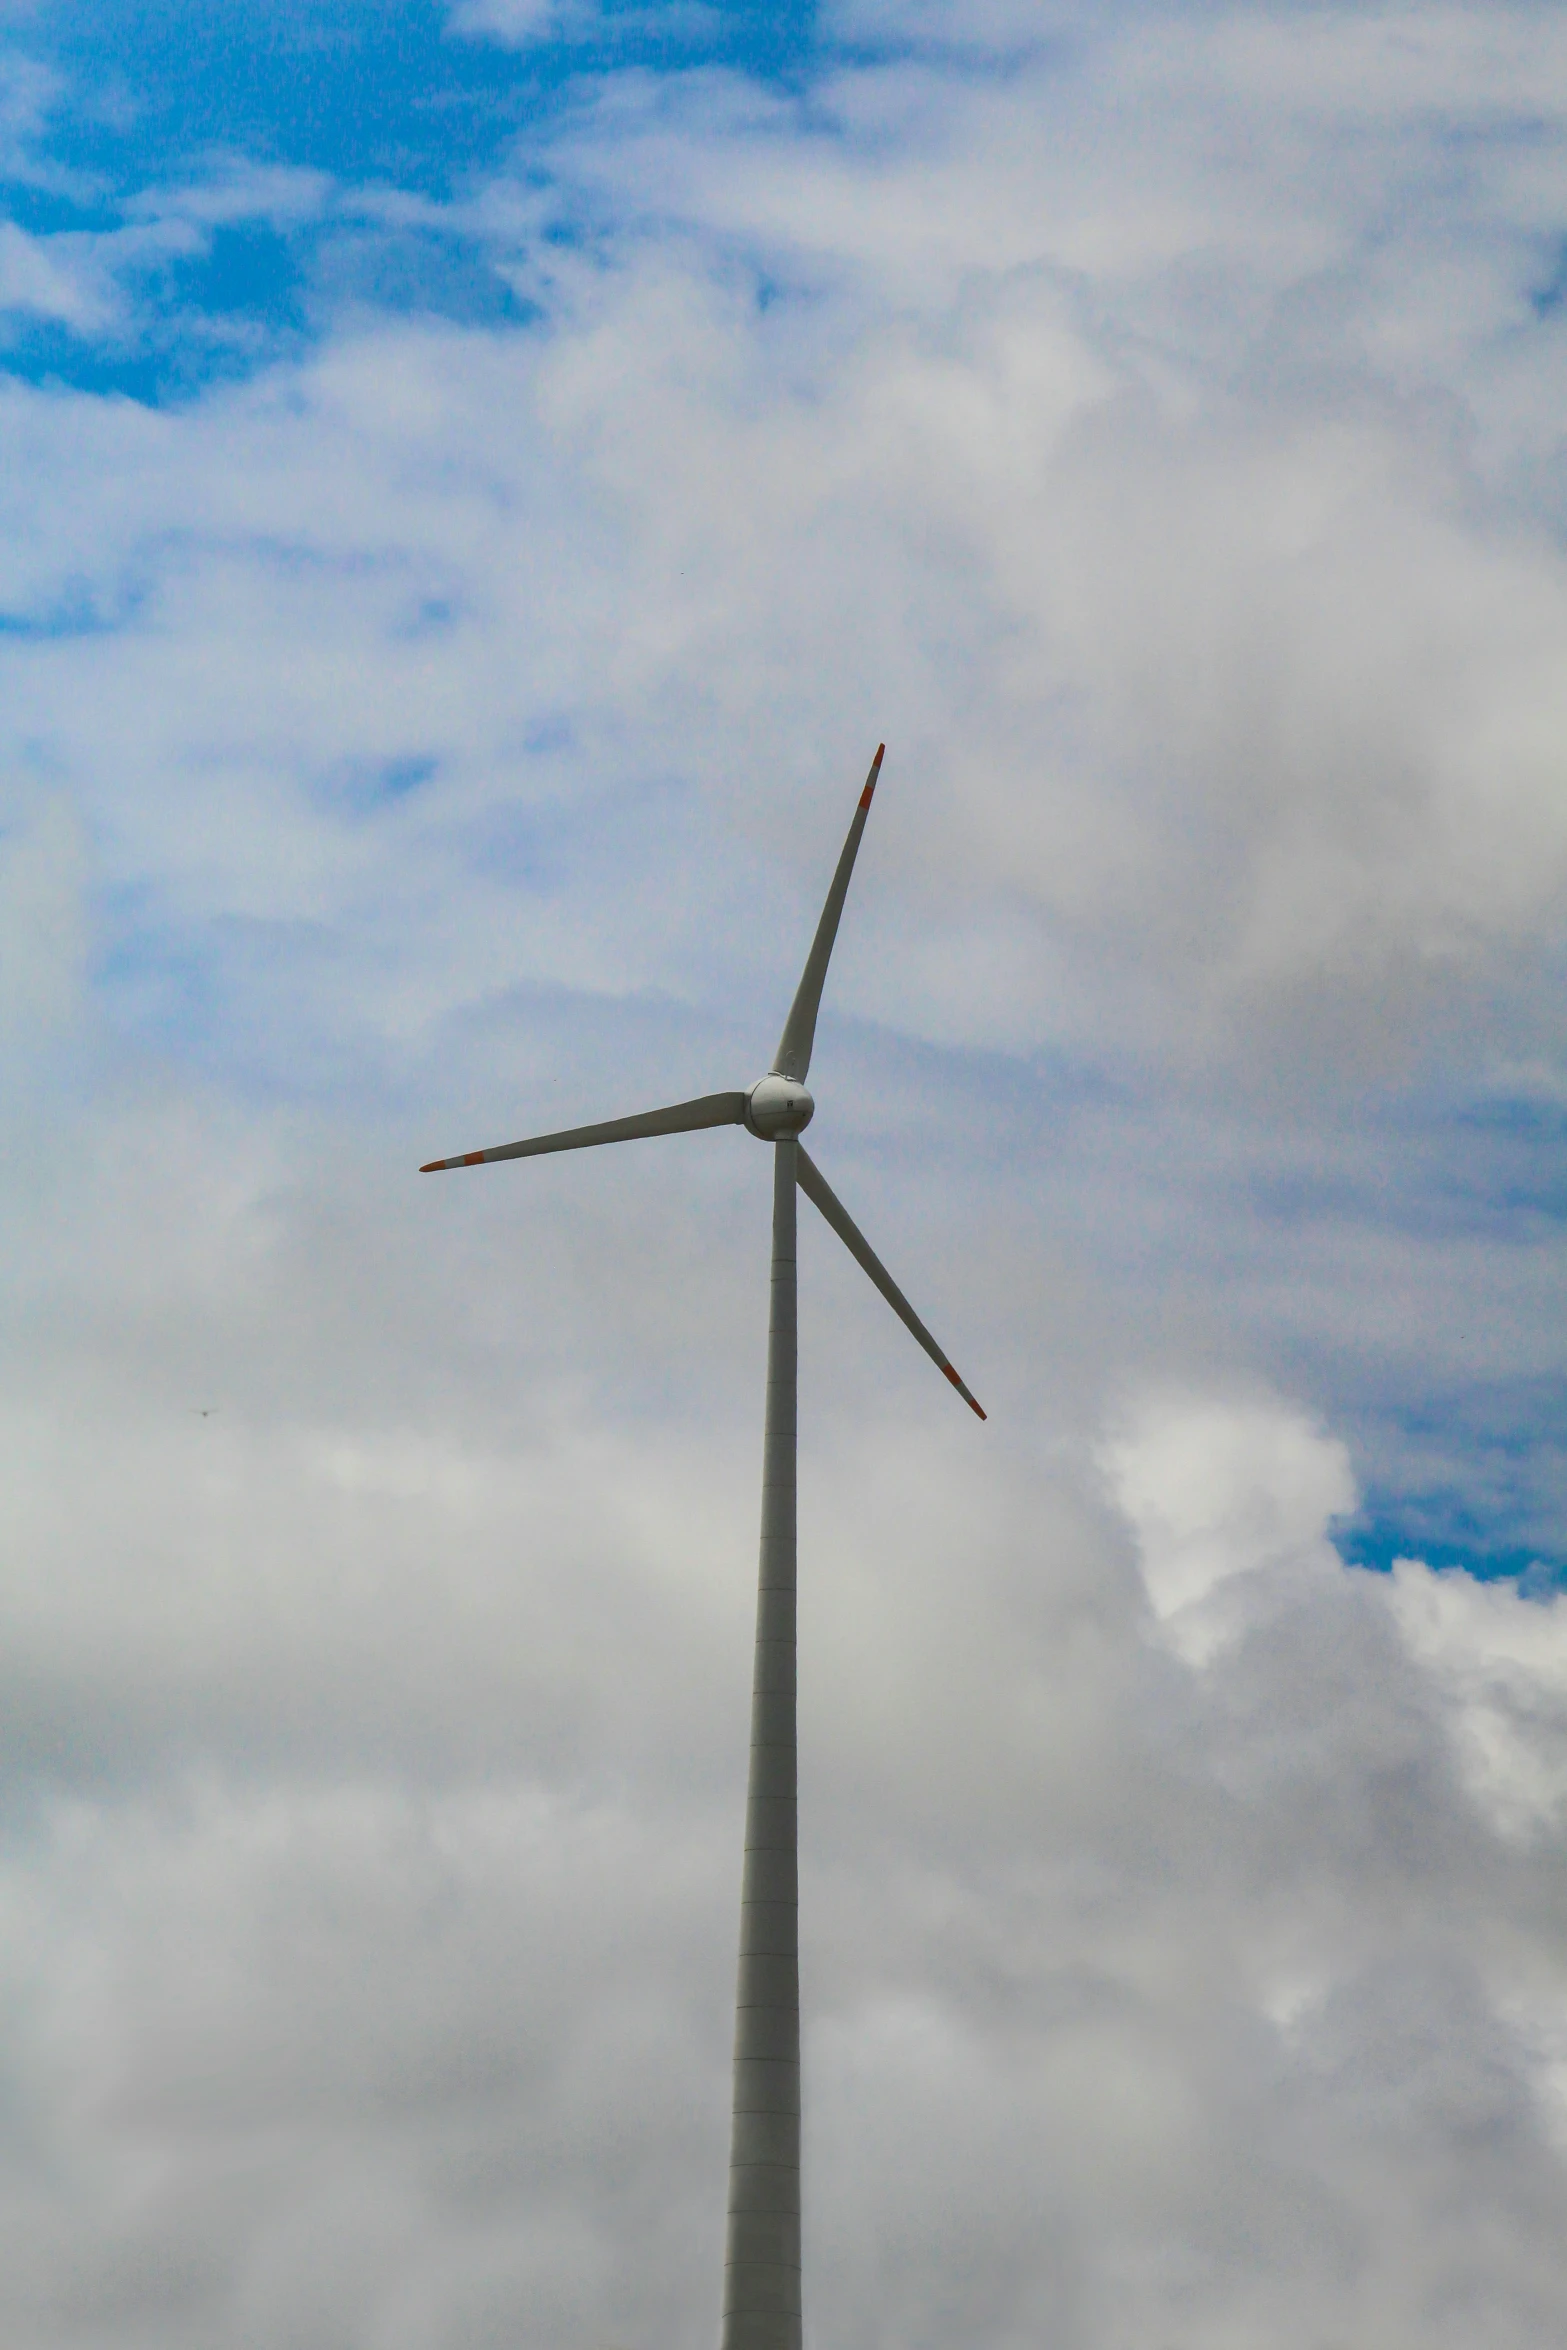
<point>480,478</point>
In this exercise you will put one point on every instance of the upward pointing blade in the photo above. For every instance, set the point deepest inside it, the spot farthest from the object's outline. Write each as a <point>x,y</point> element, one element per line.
<point>713,1109</point>
<point>793,1057</point>
<point>819,1191</point>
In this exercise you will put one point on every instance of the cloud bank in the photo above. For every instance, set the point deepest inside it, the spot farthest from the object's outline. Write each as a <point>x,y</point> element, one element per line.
<point>452,583</point>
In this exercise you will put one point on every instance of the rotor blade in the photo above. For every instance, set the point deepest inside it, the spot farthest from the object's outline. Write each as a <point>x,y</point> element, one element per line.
<point>793,1057</point>
<point>714,1109</point>
<point>819,1191</point>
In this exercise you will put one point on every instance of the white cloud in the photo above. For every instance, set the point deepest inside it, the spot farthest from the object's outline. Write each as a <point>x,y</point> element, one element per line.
<point>1500,1661</point>
<point>231,188</point>
<point>37,279</point>
<point>1252,692</point>
<point>43,924</point>
<point>1215,1492</point>
<point>517,23</point>
<point>1207,2004</point>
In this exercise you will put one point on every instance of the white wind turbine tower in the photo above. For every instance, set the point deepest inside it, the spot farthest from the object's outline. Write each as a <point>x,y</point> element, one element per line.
<point>762,2253</point>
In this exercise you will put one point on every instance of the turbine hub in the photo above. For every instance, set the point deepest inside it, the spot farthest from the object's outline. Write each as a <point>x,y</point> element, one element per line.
<point>777,1106</point>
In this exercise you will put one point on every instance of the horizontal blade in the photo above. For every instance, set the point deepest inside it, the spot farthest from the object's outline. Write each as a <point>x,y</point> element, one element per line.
<point>819,1191</point>
<point>714,1109</point>
<point>793,1057</point>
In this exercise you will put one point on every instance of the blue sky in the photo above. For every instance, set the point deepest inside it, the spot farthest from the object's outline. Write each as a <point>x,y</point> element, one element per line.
<point>211,195</point>
<point>115,113</point>
<point>479,481</point>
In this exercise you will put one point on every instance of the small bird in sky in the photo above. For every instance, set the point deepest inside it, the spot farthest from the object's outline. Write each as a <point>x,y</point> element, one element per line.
<point>205,1411</point>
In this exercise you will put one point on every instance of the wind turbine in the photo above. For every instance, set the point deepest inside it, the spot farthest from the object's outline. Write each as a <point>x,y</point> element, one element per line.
<point>762,2252</point>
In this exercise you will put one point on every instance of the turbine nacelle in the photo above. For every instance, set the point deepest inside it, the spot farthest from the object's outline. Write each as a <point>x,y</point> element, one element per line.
<point>777,1106</point>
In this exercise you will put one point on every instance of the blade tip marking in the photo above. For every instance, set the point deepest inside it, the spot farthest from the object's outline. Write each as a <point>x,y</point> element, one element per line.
<point>432,1166</point>
<point>472,1159</point>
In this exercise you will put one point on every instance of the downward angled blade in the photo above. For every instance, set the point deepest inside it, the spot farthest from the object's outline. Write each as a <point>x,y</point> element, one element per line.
<point>713,1109</point>
<point>819,1191</point>
<point>793,1057</point>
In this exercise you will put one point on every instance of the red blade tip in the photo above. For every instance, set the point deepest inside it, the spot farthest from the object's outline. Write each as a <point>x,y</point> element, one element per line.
<point>963,1391</point>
